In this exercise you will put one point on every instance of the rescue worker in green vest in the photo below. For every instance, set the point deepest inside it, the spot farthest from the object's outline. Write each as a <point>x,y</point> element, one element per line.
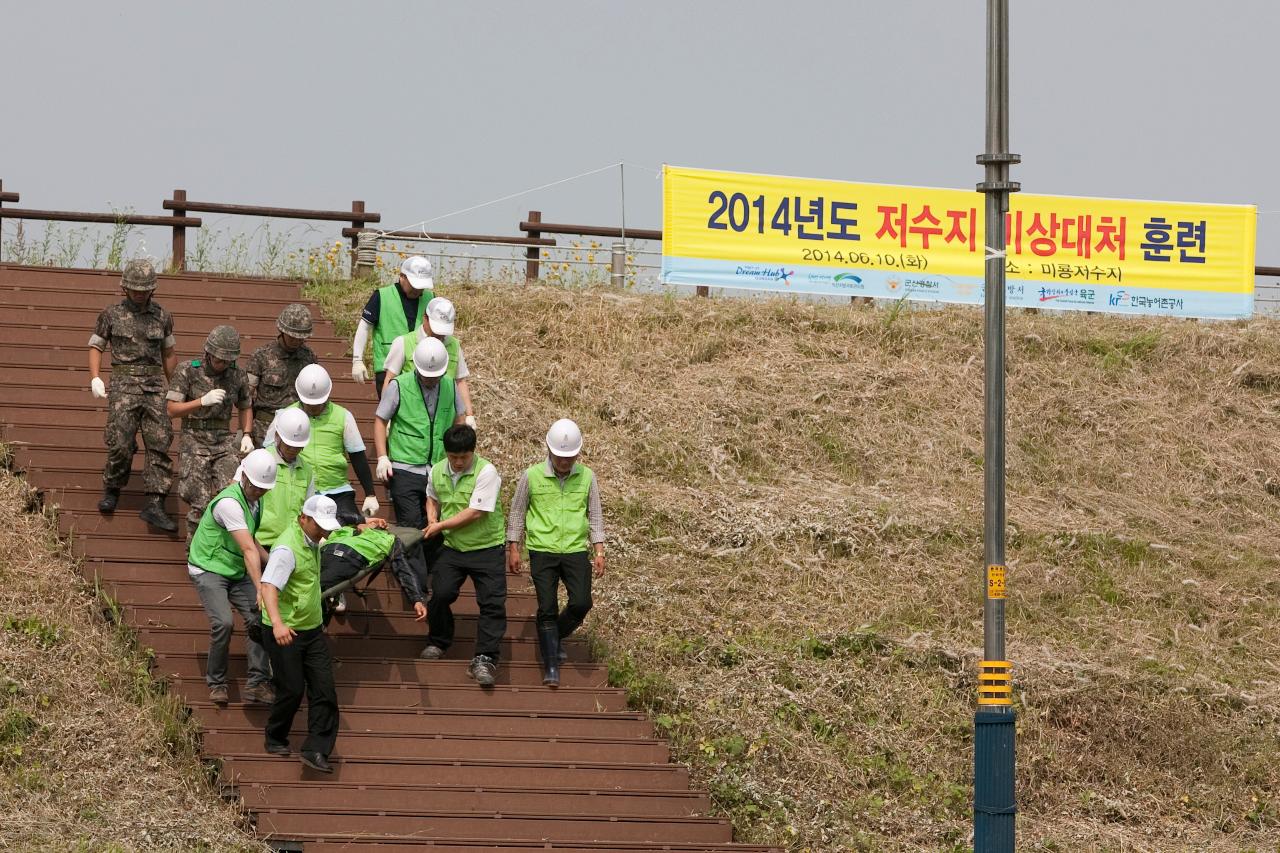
<point>334,438</point>
<point>440,319</point>
<point>357,545</point>
<point>556,511</point>
<point>293,633</point>
<point>463,505</point>
<point>225,565</point>
<point>408,434</point>
<point>295,481</point>
<point>391,312</point>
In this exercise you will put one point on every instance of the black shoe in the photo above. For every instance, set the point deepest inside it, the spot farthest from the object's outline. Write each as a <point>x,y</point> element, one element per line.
<point>549,647</point>
<point>153,513</point>
<point>316,761</point>
<point>483,669</point>
<point>276,748</point>
<point>110,497</point>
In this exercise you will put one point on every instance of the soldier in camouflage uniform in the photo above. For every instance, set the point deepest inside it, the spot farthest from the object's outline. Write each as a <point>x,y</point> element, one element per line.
<point>140,334</point>
<point>202,393</point>
<point>273,368</point>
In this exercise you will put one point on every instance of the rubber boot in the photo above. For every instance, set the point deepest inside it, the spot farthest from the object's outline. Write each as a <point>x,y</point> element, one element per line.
<point>110,497</point>
<point>549,645</point>
<point>153,513</point>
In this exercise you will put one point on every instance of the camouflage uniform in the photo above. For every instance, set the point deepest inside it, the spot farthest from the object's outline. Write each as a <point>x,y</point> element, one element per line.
<point>137,338</point>
<point>273,369</point>
<point>208,451</point>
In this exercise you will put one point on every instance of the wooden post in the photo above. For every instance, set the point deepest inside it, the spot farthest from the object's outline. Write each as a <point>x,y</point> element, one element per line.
<point>357,221</point>
<point>531,253</point>
<point>179,261</point>
<point>703,290</point>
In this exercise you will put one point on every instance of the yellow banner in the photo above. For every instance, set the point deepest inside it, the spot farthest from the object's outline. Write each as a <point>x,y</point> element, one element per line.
<point>731,229</point>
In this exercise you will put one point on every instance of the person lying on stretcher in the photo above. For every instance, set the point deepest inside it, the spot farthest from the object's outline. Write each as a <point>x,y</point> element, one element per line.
<point>358,551</point>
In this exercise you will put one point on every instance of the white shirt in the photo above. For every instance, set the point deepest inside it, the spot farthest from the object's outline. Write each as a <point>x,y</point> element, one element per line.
<point>395,357</point>
<point>227,514</point>
<point>280,564</point>
<point>484,496</point>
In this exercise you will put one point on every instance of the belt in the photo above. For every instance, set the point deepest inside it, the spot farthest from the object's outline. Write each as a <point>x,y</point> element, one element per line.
<point>268,414</point>
<point>213,424</point>
<point>137,369</point>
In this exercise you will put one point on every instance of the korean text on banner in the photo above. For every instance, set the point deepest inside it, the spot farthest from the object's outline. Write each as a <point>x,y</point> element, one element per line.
<point>835,238</point>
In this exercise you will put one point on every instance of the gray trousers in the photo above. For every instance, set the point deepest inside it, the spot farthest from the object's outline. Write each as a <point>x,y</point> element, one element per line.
<point>218,595</point>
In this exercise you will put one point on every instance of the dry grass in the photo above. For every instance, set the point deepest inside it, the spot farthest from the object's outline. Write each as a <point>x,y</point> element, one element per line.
<point>92,756</point>
<point>794,496</point>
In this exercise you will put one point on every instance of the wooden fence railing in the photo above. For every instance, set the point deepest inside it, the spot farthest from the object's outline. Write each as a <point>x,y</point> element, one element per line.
<point>534,229</point>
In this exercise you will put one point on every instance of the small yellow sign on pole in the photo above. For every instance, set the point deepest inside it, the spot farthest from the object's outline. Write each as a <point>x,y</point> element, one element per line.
<point>995,582</point>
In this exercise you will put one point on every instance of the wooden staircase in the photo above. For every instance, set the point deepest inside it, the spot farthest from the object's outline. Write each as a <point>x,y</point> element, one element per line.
<point>425,759</point>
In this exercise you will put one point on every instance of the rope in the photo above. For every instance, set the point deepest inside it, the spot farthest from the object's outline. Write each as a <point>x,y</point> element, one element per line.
<point>420,225</point>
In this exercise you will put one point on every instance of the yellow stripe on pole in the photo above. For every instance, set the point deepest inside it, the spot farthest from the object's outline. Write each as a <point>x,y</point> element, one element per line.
<point>995,682</point>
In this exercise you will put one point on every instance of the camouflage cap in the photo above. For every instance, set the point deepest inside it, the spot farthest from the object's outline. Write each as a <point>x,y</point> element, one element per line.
<point>139,274</point>
<point>295,321</point>
<point>224,343</point>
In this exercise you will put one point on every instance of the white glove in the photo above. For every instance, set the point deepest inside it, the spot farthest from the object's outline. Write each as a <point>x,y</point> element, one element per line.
<point>384,468</point>
<point>358,371</point>
<point>369,507</point>
<point>213,398</point>
<point>98,387</point>
<point>246,444</point>
<point>470,421</point>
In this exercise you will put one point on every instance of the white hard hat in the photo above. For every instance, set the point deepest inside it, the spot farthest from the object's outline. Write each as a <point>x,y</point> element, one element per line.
<point>313,385</point>
<point>441,316</point>
<point>564,438</point>
<point>430,358</point>
<point>418,270</point>
<point>293,427</point>
<point>323,510</point>
<point>260,467</point>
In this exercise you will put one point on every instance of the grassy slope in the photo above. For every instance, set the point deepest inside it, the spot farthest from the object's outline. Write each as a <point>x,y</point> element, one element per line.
<point>794,495</point>
<point>92,756</point>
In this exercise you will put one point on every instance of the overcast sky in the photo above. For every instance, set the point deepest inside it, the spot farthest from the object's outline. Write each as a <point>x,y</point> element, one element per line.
<point>422,109</point>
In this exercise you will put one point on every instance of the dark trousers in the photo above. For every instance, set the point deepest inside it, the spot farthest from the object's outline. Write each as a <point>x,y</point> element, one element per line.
<point>487,570</point>
<point>303,666</point>
<point>547,571</point>
<point>347,509</point>
<point>408,498</point>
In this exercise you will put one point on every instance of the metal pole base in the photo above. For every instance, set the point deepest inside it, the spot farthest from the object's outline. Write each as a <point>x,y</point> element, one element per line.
<point>994,810</point>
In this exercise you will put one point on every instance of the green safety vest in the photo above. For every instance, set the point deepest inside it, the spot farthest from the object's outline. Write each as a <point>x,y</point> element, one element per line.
<point>485,532</point>
<point>281,505</point>
<point>414,437</point>
<point>391,322</point>
<point>299,601</point>
<point>410,342</point>
<point>557,521</point>
<point>212,547</point>
<point>374,545</point>
<point>326,452</point>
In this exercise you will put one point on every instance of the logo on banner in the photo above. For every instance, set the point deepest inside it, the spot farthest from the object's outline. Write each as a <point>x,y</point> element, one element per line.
<point>1066,295</point>
<point>893,284</point>
<point>839,281</point>
<point>922,285</point>
<point>781,275</point>
<point>1120,297</point>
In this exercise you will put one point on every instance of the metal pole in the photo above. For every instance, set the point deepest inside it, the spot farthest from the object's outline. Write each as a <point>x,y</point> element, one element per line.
<point>622,183</point>
<point>994,803</point>
<point>618,265</point>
